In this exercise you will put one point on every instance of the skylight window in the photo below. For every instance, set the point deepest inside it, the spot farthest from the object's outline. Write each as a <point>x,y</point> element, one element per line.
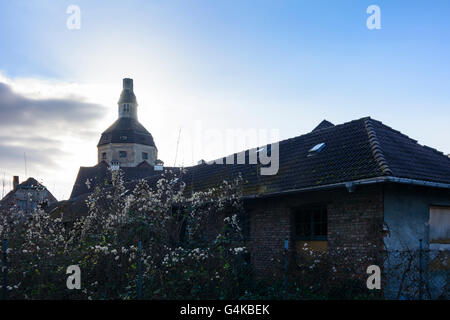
<point>317,148</point>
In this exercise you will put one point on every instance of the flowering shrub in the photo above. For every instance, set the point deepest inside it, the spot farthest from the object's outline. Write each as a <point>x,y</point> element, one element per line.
<point>179,257</point>
<point>183,255</point>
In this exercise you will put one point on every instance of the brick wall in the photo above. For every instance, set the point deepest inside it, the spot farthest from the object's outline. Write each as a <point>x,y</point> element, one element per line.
<point>354,221</point>
<point>270,222</point>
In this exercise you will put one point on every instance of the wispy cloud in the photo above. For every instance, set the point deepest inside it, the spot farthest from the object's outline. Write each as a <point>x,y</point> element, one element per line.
<point>10,156</point>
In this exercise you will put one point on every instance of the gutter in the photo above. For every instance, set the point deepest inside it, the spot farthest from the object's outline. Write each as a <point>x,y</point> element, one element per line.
<point>350,185</point>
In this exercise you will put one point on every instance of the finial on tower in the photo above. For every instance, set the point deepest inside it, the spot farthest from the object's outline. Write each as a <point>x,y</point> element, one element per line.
<point>128,84</point>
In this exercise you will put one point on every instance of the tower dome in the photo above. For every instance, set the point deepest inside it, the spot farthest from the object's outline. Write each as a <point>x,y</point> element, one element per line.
<point>126,141</point>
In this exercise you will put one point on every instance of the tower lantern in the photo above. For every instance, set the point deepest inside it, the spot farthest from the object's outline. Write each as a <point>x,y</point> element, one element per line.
<point>127,101</point>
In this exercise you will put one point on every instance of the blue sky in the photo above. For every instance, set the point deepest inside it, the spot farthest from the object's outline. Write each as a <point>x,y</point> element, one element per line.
<point>282,65</point>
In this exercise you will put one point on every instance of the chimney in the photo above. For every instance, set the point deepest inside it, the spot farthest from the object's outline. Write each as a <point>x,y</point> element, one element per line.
<point>128,84</point>
<point>115,165</point>
<point>15,182</point>
<point>159,165</point>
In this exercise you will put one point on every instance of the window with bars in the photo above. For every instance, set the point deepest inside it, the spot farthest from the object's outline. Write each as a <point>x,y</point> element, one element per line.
<point>311,223</point>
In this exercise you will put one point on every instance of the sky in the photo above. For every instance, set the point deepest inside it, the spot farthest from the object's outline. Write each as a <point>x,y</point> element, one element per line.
<point>207,67</point>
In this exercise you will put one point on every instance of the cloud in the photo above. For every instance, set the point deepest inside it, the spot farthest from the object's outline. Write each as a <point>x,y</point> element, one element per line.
<point>19,111</point>
<point>51,129</point>
<point>13,156</point>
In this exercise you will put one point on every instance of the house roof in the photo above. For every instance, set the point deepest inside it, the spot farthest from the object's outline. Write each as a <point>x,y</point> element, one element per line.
<point>28,184</point>
<point>356,150</point>
<point>405,158</point>
<point>126,130</point>
<point>99,175</point>
<point>323,125</point>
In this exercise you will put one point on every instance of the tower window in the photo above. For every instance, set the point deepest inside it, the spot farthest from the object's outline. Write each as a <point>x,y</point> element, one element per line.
<point>144,155</point>
<point>104,156</point>
<point>126,107</point>
<point>122,154</point>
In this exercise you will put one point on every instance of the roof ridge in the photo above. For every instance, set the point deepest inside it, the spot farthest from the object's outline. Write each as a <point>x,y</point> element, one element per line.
<point>405,136</point>
<point>433,149</point>
<point>376,148</point>
<point>340,125</point>
<point>396,131</point>
<point>324,124</point>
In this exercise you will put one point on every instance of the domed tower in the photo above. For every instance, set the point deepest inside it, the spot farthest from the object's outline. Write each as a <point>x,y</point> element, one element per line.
<point>126,142</point>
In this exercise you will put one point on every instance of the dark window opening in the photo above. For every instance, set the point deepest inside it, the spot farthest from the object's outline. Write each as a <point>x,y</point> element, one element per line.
<point>144,155</point>
<point>44,204</point>
<point>104,156</point>
<point>311,223</point>
<point>122,154</point>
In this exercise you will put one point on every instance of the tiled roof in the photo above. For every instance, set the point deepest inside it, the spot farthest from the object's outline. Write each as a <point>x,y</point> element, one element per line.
<point>126,130</point>
<point>347,156</point>
<point>99,175</point>
<point>360,149</point>
<point>406,158</point>
<point>323,125</point>
<point>30,182</point>
<point>355,150</point>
